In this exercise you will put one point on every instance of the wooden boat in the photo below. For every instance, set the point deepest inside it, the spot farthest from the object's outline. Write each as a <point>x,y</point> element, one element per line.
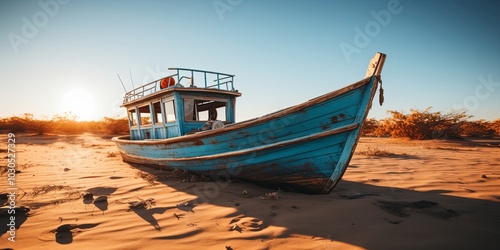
<point>304,148</point>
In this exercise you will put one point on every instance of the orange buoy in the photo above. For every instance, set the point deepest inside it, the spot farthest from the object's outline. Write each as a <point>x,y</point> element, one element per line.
<point>167,82</point>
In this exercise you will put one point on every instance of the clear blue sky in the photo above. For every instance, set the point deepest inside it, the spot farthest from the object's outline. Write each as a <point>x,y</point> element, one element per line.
<point>444,54</point>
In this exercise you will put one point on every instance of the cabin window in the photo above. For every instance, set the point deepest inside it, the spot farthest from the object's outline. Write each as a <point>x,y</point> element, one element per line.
<point>132,118</point>
<point>157,113</point>
<point>169,111</point>
<point>189,113</point>
<point>145,115</point>
<point>204,110</point>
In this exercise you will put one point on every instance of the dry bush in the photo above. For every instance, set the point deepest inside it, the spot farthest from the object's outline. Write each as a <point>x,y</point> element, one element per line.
<point>13,124</point>
<point>90,126</point>
<point>66,123</point>
<point>479,128</point>
<point>63,124</point>
<point>369,127</point>
<point>376,152</point>
<point>111,154</point>
<point>495,125</point>
<point>422,124</point>
<point>115,125</point>
<point>38,126</point>
<point>26,123</point>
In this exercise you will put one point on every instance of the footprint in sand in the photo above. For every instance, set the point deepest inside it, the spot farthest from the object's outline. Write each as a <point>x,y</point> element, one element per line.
<point>246,224</point>
<point>403,209</point>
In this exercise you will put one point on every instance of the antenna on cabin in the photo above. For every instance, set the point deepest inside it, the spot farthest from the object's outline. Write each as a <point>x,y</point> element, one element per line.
<point>132,81</point>
<point>122,83</point>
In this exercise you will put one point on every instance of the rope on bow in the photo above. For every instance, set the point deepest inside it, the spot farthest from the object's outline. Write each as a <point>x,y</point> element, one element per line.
<point>380,92</point>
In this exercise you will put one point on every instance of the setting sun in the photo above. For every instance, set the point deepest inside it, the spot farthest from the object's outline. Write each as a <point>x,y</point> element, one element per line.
<point>81,103</point>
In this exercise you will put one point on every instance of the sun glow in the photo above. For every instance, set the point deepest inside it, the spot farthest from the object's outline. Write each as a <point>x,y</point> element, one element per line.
<point>80,103</point>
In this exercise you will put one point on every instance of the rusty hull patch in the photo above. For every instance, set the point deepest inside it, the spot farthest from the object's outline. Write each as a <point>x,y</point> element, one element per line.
<point>244,133</point>
<point>325,126</point>
<point>198,142</point>
<point>334,119</point>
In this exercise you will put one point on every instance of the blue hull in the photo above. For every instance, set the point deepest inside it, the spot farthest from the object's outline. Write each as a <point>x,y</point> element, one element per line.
<point>306,147</point>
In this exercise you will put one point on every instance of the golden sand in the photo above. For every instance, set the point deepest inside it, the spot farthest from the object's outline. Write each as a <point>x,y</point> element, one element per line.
<point>396,194</point>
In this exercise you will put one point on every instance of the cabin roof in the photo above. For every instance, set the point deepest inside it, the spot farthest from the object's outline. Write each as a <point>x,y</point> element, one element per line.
<point>169,92</point>
<point>207,82</point>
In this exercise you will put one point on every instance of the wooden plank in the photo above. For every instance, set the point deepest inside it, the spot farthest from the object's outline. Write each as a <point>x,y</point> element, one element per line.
<point>251,150</point>
<point>376,64</point>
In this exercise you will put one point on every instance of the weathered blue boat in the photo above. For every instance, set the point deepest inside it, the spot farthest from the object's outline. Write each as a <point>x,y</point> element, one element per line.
<point>305,148</point>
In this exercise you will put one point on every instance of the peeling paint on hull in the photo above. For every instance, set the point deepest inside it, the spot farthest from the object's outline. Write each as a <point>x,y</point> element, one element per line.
<point>290,147</point>
<point>306,147</point>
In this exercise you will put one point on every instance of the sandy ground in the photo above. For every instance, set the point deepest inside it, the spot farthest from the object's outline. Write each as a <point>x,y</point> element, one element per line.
<point>396,194</point>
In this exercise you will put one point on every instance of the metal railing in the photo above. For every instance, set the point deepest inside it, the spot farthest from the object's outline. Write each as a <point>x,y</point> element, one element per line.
<point>144,90</point>
<point>221,79</point>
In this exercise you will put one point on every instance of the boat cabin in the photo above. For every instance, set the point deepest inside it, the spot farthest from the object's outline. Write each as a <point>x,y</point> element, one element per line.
<point>177,104</point>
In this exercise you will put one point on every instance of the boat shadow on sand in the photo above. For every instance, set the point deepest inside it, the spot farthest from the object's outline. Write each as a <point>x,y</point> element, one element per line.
<point>350,211</point>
